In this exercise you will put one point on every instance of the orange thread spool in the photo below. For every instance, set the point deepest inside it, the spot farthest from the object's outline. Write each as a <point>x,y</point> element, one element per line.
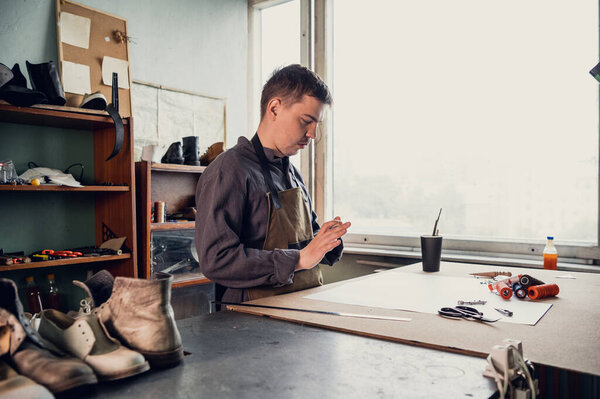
<point>504,289</point>
<point>542,291</point>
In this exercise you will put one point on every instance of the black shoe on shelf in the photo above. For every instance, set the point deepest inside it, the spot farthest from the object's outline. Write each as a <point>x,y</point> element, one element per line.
<point>174,154</point>
<point>44,77</point>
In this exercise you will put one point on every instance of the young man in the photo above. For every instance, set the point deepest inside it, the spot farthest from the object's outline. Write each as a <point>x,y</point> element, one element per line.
<point>256,232</point>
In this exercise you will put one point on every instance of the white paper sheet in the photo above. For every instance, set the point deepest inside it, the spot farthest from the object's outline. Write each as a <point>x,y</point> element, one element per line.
<point>121,67</point>
<point>75,30</point>
<point>76,78</point>
<point>427,293</point>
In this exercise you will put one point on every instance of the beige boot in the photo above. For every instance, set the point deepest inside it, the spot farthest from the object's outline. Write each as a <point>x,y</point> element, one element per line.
<point>139,314</point>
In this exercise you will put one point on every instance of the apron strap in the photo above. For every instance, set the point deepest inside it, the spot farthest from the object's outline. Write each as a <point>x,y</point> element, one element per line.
<point>264,166</point>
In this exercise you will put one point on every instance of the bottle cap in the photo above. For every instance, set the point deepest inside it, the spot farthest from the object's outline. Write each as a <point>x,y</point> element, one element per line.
<point>51,277</point>
<point>550,238</point>
<point>29,279</point>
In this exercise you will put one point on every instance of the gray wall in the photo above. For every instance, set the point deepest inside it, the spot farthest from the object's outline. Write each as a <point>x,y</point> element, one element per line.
<point>195,45</point>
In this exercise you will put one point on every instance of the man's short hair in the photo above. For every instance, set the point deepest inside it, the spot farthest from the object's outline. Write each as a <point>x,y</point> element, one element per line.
<point>291,83</point>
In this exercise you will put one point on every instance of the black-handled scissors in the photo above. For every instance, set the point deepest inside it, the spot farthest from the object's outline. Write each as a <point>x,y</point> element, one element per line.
<point>464,312</point>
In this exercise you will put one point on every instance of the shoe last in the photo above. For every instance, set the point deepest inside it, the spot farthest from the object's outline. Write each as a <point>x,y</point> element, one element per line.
<point>86,339</point>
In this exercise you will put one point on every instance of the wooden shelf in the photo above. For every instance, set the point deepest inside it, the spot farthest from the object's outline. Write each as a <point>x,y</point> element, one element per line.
<point>65,262</point>
<point>10,187</point>
<point>187,279</point>
<point>172,167</point>
<point>172,226</point>
<point>56,116</point>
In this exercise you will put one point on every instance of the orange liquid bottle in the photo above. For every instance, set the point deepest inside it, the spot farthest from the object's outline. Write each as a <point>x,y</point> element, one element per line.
<point>550,255</point>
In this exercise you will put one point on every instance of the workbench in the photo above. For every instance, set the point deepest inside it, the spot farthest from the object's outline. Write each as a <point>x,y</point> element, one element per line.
<point>235,355</point>
<point>567,336</point>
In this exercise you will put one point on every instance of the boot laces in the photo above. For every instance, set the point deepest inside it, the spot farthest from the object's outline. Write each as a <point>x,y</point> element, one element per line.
<point>85,306</point>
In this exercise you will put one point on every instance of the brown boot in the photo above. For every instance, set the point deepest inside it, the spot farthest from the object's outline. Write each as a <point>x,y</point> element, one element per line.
<point>211,153</point>
<point>139,314</point>
<point>13,385</point>
<point>31,357</point>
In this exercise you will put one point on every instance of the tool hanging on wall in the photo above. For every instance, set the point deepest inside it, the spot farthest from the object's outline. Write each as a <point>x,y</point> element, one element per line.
<point>113,111</point>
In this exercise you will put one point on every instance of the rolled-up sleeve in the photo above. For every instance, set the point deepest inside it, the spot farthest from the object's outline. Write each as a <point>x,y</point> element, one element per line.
<point>221,201</point>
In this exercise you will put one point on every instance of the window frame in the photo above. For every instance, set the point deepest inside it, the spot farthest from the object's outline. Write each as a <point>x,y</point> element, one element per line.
<point>317,42</point>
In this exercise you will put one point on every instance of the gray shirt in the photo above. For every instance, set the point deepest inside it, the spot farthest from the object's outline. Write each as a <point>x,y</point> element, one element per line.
<point>231,222</point>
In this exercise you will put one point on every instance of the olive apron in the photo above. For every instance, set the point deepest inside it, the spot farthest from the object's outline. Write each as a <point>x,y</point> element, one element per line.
<point>288,226</point>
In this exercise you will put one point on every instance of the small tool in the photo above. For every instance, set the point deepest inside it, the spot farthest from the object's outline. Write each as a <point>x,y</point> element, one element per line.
<point>464,312</point>
<point>435,229</point>
<point>491,274</point>
<point>505,312</point>
<point>477,302</point>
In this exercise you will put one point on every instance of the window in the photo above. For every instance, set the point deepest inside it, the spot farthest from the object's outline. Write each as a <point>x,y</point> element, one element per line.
<point>485,109</point>
<point>279,35</point>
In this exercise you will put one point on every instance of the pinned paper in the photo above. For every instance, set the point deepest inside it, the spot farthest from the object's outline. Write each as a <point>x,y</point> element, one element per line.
<point>76,78</point>
<point>75,30</point>
<point>110,65</point>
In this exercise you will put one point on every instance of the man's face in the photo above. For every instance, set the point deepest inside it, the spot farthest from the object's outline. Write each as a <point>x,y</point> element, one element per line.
<point>297,124</point>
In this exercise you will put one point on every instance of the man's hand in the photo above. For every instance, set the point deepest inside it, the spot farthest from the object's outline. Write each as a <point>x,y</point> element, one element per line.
<point>324,241</point>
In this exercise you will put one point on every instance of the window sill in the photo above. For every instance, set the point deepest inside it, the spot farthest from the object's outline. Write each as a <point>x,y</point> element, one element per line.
<point>415,253</point>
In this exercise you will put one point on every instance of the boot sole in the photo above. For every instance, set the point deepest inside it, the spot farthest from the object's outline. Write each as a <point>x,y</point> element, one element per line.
<point>140,368</point>
<point>73,383</point>
<point>164,359</point>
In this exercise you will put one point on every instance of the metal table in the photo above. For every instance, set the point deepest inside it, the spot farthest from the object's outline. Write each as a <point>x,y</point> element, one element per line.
<point>234,355</point>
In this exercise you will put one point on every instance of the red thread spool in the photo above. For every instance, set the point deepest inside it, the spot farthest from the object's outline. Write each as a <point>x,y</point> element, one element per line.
<point>542,291</point>
<point>504,289</point>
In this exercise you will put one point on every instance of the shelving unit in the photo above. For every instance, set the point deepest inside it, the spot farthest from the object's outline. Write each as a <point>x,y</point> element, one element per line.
<point>176,186</point>
<point>113,203</point>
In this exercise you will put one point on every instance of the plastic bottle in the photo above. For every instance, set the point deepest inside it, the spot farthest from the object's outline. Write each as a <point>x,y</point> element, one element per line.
<point>34,297</point>
<point>550,255</point>
<point>53,297</point>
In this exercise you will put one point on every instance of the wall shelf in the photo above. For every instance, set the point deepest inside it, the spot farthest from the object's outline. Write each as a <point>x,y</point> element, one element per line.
<point>115,211</point>
<point>65,262</point>
<point>176,186</point>
<point>172,226</point>
<point>10,187</point>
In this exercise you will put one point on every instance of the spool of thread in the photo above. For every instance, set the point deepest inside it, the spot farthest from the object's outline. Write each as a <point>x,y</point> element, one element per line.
<point>519,291</point>
<point>542,291</point>
<point>527,281</point>
<point>504,290</point>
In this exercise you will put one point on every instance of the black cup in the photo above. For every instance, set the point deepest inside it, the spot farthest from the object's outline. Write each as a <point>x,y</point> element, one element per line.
<point>431,253</point>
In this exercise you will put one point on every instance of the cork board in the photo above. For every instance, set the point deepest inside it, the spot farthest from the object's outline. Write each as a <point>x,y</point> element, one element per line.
<point>102,42</point>
<point>567,337</point>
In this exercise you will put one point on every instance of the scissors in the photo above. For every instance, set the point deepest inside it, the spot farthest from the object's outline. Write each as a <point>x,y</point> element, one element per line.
<point>464,312</point>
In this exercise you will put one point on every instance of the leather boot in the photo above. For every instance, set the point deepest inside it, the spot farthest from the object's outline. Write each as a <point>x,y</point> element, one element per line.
<point>44,77</point>
<point>85,339</point>
<point>139,314</point>
<point>174,154</point>
<point>13,385</point>
<point>33,358</point>
<point>211,153</point>
<point>191,150</point>
<point>15,91</point>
